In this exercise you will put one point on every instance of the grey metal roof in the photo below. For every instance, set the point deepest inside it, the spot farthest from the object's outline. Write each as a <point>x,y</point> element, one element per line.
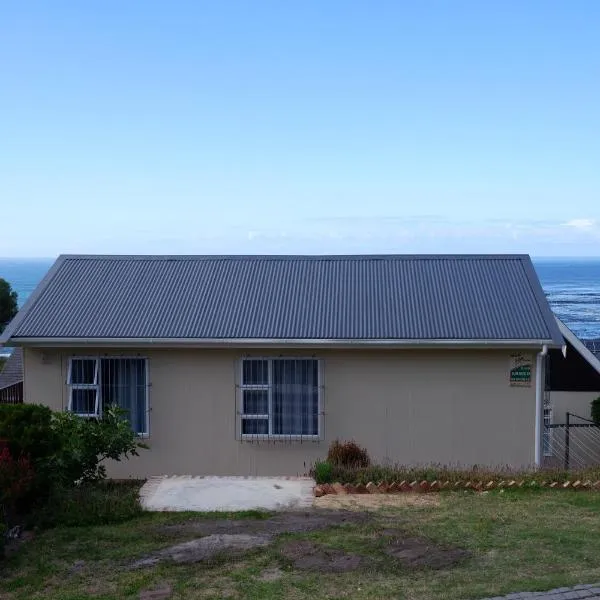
<point>12,371</point>
<point>394,297</point>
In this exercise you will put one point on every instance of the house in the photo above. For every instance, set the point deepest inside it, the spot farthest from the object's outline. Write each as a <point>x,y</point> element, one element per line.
<point>252,365</point>
<point>11,378</point>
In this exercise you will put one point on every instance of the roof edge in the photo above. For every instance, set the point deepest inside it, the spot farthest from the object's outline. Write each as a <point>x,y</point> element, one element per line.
<point>284,342</point>
<point>5,336</point>
<point>587,355</point>
<point>542,302</point>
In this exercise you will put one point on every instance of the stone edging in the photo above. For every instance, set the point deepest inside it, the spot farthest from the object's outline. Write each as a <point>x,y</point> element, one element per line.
<point>437,486</point>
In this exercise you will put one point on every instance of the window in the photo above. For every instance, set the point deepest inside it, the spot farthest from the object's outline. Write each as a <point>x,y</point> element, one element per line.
<point>97,383</point>
<point>280,398</point>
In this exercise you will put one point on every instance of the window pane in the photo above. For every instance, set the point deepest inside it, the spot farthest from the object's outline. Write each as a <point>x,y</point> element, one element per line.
<point>255,426</point>
<point>123,383</point>
<point>83,401</point>
<point>256,402</point>
<point>255,372</point>
<point>83,371</point>
<point>295,396</point>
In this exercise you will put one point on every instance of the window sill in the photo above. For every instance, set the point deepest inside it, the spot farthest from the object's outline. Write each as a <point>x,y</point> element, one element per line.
<point>280,438</point>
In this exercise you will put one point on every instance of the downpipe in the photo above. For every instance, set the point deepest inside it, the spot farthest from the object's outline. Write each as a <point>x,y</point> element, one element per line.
<point>539,404</point>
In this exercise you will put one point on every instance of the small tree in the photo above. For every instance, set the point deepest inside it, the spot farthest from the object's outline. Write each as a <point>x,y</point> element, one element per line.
<point>8,304</point>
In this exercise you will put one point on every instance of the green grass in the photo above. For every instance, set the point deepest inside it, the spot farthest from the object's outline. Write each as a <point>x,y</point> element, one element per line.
<point>521,541</point>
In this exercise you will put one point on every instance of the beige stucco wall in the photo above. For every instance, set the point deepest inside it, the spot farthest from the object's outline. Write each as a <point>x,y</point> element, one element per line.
<point>573,402</point>
<point>584,443</point>
<point>407,406</point>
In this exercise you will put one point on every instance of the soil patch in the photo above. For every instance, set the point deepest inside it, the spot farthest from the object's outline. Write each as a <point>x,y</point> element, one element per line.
<point>289,522</point>
<point>414,552</point>
<point>308,556</point>
<point>204,548</point>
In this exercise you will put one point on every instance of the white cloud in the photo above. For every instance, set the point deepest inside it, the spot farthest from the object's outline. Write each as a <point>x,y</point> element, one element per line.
<point>581,224</point>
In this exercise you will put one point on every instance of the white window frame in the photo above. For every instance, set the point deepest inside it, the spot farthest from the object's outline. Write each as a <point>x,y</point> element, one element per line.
<point>98,388</point>
<point>84,386</point>
<point>268,387</point>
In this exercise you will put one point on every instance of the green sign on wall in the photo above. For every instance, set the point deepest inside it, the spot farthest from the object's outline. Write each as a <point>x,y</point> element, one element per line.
<point>520,369</point>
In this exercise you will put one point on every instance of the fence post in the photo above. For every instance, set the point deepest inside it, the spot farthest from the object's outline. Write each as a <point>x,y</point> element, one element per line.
<point>567,441</point>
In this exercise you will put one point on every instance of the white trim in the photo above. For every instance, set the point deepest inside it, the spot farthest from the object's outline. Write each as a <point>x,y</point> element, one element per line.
<point>275,343</point>
<point>84,386</point>
<point>539,404</point>
<point>588,356</point>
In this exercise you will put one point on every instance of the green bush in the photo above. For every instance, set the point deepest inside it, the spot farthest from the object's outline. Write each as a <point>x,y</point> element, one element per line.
<point>322,472</point>
<point>347,454</point>
<point>27,428</point>
<point>85,443</point>
<point>89,504</point>
<point>596,410</point>
<point>50,458</point>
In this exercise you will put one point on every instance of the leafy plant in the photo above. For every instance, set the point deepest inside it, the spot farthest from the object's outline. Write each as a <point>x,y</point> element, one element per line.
<point>347,454</point>
<point>84,444</point>
<point>596,410</point>
<point>27,429</point>
<point>8,304</point>
<point>322,472</point>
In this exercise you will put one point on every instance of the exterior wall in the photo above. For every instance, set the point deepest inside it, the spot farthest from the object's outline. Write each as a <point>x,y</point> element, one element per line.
<point>573,402</point>
<point>404,406</point>
<point>584,442</point>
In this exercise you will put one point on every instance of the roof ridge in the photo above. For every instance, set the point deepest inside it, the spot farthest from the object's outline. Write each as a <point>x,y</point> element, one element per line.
<point>291,257</point>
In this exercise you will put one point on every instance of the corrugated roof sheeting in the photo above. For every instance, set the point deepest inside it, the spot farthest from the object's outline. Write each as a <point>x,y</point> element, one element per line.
<point>352,297</point>
<point>12,371</point>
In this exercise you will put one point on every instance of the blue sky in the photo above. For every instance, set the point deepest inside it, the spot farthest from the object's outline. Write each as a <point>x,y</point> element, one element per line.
<point>314,127</point>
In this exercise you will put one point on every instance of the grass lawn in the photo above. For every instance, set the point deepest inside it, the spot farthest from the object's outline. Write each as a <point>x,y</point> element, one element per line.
<point>519,541</point>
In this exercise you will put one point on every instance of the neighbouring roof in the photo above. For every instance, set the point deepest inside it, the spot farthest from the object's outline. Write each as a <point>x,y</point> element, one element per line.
<point>389,297</point>
<point>13,369</point>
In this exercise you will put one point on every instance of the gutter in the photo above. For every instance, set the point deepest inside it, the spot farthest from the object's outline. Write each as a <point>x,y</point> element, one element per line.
<point>539,403</point>
<point>273,342</point>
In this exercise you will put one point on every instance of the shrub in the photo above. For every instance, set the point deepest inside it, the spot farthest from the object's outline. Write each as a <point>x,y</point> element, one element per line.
<point>27,430</point>
<point>322,472</point>
<point>85,443</point>
<point>596,410</point>
<point>347,454</point>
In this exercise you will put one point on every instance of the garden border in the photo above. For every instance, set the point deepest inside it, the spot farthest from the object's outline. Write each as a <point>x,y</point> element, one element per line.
<point>396,487</point>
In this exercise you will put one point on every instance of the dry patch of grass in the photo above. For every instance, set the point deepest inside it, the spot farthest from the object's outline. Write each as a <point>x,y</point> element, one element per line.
<point>375,502</point>
<point>512,541</point>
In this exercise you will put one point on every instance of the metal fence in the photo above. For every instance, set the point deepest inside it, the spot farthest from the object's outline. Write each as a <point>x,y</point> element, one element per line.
<point>572,444</point>
<point>13,394</point>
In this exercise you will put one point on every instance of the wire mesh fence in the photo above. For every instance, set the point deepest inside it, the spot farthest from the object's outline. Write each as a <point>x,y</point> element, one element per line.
<point>573,444</point>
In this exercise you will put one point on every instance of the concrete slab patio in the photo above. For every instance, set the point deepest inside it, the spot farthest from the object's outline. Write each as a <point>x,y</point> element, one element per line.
<point>180,493</point>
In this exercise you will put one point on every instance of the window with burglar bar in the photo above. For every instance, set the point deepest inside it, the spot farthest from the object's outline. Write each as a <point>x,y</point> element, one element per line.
<point>97,383</point>
<point>280,398</point>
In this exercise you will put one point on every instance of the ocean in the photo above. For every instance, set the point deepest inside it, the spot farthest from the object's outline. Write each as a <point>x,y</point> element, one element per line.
<point>571,285</point>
